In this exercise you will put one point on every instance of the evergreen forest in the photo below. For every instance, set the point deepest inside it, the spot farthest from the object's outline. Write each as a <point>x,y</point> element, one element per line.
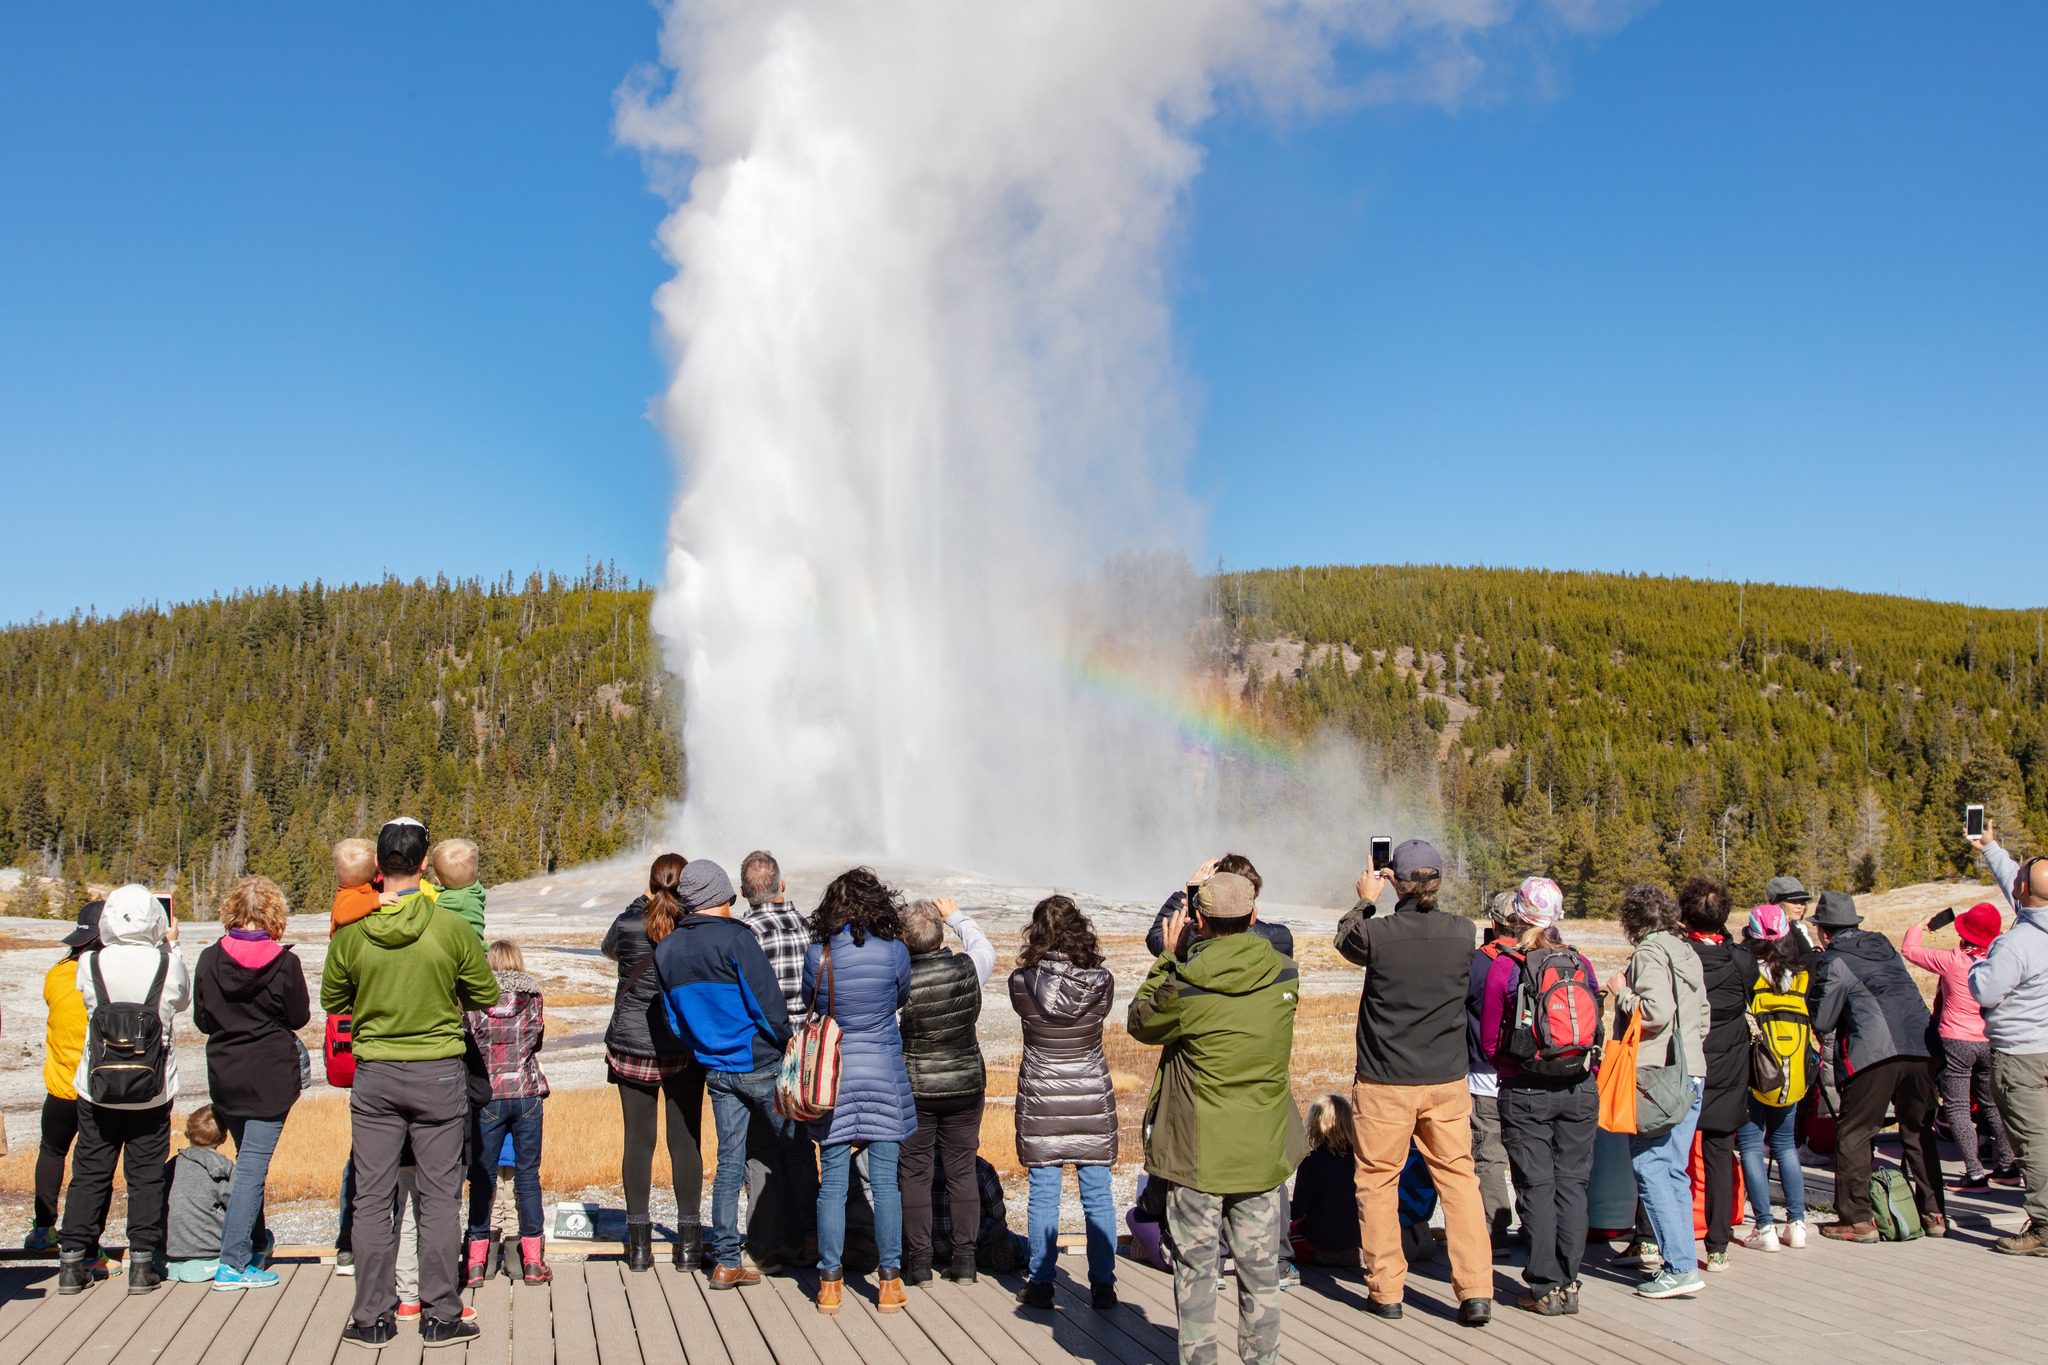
<point>1604,729</point>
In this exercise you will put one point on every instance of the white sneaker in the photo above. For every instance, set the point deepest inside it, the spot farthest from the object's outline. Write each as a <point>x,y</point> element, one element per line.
<point>1763,1238</point>
<point>1795,1234</point>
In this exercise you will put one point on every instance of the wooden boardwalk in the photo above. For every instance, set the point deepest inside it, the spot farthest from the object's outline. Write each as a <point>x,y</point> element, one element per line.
<point>1950,1300</point>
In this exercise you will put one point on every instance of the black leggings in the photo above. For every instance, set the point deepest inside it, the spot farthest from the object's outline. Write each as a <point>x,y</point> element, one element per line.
<point>60,1130</point>
<point>638,1104</point>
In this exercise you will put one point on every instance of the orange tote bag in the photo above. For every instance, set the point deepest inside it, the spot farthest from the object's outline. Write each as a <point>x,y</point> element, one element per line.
<point>1618,1078</point>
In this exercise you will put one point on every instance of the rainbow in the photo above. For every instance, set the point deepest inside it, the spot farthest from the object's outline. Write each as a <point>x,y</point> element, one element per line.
<point>1205,717</point>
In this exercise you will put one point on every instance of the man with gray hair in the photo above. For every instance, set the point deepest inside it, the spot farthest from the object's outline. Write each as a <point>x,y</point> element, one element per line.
<point>782,1166</point>
<point>948,1080</point>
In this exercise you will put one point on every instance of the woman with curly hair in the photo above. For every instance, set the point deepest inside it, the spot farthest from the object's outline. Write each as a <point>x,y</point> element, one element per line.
<point>249,999</point>
<point>1066,1105</point>
<point>1663,984</point>
<point>858,973</point>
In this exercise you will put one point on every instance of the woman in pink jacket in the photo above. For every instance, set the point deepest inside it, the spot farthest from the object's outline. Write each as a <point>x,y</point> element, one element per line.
<point>1966,1064</point>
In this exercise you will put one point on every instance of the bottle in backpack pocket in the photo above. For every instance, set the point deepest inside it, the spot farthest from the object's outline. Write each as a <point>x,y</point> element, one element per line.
<point>125,1045</point>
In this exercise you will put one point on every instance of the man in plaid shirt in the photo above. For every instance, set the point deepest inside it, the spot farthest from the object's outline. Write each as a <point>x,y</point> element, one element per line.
<point>782,1214</point>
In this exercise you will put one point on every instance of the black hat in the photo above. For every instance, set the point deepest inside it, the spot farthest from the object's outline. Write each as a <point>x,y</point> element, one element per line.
<point>88,931</point>
<point>1837,911</point>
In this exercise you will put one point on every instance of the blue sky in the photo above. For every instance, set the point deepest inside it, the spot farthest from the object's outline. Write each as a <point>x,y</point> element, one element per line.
<point>1747,290</point>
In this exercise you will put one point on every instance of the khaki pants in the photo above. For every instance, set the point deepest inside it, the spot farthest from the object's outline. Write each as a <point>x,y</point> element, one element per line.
<point>2021,1080</point>
<point>1439,1120</point>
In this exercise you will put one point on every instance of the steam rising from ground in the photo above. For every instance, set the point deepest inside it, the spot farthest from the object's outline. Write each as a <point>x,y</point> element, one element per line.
<point>930,429</point>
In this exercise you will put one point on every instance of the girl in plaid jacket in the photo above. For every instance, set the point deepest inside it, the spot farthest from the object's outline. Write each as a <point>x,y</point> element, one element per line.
<point>507,1091</point>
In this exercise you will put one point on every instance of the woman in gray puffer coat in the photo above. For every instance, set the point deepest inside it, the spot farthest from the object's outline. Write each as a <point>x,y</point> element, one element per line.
<point>1066,1105</point>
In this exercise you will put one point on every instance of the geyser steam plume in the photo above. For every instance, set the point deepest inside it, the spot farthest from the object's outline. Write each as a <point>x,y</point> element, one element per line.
<point>923,394</point>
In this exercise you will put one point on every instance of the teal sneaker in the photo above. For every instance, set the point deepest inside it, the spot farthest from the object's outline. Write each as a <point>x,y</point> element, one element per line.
<point>255,1277</point>
<point>40,1238</point>
<point>1669,1284</point>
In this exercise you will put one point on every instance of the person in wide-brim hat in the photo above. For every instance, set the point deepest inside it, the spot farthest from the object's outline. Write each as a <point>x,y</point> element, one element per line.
<point>1837,911</point>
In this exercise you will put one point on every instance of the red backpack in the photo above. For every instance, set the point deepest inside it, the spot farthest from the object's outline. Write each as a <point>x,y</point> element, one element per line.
<point>1555,1028</point>
<point>339,1050</point>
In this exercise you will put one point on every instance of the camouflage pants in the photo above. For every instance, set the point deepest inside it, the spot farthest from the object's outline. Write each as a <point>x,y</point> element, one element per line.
<point>1195,1223</point>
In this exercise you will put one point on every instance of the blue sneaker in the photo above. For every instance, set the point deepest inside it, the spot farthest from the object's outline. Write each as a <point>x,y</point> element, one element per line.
<point>40,1238</point>
<point>255,1277</point>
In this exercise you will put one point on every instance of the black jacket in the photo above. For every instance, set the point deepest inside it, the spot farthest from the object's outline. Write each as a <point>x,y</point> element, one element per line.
<point>940,1049</point>
<point>1865,997</point>
<point>250,1018</point>
<point>1279,935</point>
<point>639,1026</point>
<point>1727,970</point>
<point>1411,1009</point>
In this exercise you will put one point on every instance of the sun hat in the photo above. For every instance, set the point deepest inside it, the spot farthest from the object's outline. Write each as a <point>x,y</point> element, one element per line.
<point>1539,903</point>
<point>1979,925</point>
<point>1837,911</point>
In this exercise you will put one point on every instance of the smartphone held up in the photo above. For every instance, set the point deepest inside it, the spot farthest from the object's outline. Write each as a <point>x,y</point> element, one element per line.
<point>1973,821</point>
<point>1382,852</point>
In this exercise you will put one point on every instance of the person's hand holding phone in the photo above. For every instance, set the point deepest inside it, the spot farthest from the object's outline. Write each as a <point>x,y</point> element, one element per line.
<point>1370,884</point>
<point>1989,836</point>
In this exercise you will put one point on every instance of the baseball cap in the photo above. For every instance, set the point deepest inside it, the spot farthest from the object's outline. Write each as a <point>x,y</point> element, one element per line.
<point>88,930</point>
<point>1413,857</point>
<point>1502,908</point>
<point>1225,896</point>
<point>1779,890</point>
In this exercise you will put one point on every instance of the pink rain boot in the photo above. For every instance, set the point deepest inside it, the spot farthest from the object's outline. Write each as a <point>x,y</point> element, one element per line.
<point>533,1269</point>
<point>479,1257</point>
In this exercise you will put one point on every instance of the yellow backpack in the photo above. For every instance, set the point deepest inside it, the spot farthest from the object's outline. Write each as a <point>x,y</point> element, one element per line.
<point>1782,1028</point>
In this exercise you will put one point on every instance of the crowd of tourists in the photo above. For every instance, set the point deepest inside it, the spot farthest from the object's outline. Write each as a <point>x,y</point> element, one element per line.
<point>1486,1071</point>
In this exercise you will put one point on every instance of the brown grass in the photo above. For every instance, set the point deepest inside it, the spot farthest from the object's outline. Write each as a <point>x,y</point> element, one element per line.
<point>9,941</point>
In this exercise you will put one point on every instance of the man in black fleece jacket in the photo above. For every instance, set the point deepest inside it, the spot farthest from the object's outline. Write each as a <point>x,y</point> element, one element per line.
<point>1411,1078</point>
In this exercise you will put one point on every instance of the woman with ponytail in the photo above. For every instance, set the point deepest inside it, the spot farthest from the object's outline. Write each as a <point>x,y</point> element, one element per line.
<point>652,1068</point>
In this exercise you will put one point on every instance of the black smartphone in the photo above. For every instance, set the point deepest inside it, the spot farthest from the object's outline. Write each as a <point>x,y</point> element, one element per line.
<point>1944,919</point>
<point>1382,853</point>
<point>1973,821</point>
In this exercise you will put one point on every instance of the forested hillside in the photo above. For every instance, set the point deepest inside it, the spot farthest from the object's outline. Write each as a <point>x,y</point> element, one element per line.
<point>1615,728</point>
<point>252,731</point>
<point>1602,728</point>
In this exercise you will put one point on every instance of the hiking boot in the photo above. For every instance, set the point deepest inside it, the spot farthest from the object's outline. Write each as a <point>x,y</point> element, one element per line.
<point>1839,1231</point>
<point>1475,1312</point>
<point>1642,1254</point>
<point>440,1332</point>
<point>344,1263</point>
<point>688,1252</point>
<point>1760,1238</point>
<point>144,1277</point>
<point>917,1270</point>
<point>639,1246</point>
<point>41,1237</point>
<point>533,1265</point>
<point>1549,1303</point>
<point>2030,1241</point>
<point>830,1289</point>
<point>377,1334</point>
<point>1036,1294</point>
<point>732,1277</point>
<point>1569,1298</point>
<point>74,1274</point>
<point>962,1269</point>
<point>1934,1224</point>
<point>1795,1234</point>
<point>1669,1284</point>
<point>1102,1297</point>
<point>890,1297</point>
<point>479,1261</point>
<point>1717,1262</point>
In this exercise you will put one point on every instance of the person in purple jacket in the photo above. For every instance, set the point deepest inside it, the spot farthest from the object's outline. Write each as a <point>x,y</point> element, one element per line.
<point>1549,1102</point>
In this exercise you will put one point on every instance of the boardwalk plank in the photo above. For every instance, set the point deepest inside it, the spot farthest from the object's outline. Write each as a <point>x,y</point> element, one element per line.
<point>493,1346</point>
<point>319,1335</point>
<point>936,1323</point>
<point>611,1319</point>
<point>1135,1325</point>
<point>575,1338</point>
<point>277,1336</point>
<point>780,1329</point>
<point>22,1292</point>
<point>661,1341</point>
<point>202,1334</point>
<point>743,1344</point>
<point>826,1336</point>
<point>61,1324</point>
<point>702,1344</point>
<point>157,1331</point>
<point>533,1324</point>
<point>405,1349</point>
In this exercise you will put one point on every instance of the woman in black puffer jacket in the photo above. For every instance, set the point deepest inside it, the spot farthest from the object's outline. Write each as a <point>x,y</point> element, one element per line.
<point>1726,969</point>
<point>1066,1106</point>
<point>650,1065</point>
<point>947,1079</point>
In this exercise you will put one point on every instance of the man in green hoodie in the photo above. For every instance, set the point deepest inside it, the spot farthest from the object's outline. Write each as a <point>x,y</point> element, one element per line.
<point>407,972</point>
<point>1221,1127</point>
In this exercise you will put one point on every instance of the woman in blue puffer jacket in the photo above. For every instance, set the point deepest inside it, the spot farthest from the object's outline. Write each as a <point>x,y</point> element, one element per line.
<point>858,972</point>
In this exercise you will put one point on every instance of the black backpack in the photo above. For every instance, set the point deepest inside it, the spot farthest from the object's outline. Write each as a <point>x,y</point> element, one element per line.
<point>125,1049</point>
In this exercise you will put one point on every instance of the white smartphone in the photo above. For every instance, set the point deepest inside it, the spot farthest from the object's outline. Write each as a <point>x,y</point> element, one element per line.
<point>1973,821</point>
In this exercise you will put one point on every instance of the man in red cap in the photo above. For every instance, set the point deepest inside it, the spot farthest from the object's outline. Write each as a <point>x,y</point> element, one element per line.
<point>1966,1055</point>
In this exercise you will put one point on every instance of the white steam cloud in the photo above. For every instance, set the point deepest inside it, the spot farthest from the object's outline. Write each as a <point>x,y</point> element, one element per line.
<point>924,394</point>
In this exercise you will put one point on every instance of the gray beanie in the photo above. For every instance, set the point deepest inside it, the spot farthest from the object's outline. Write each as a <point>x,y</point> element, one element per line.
<point>703,885</point>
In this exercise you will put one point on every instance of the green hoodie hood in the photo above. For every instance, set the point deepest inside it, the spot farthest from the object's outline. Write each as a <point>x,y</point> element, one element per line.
<point>407,973</point>
<point>1236,964</point>
<point>466,901</point>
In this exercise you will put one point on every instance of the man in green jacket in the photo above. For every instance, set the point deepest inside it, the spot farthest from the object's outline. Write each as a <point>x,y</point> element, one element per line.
<point>1221,1127</point>
<point>407,972</point>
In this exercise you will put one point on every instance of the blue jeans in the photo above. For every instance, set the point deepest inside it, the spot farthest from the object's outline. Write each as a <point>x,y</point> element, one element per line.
<point>1096,1211</point>
<point>738,1099</point>
<point>491,1127</point>
<point>1768,1124</point>
<point>834,1161</point>
<point>255,1142</point>
<point>1666,1189</point>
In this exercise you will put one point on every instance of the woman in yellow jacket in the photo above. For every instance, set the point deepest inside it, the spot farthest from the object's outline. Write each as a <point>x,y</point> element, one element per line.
<point>63,1041</point>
